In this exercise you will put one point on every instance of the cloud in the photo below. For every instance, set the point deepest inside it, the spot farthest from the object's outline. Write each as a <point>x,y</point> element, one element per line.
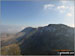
<point>65,7</point>
<point>48,6</point>
<point>69,14</point>
<point>61,7</point>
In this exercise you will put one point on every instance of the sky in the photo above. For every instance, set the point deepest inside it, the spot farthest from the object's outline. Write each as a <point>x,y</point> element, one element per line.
<point>36,13</point>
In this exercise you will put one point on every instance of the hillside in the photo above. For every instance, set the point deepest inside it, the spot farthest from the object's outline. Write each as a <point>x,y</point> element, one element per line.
<point>43,40</point>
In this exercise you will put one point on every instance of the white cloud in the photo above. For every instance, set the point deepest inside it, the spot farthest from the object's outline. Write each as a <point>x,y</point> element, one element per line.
<point>48,6</point>
<point>65,6</point>
<point>69,14</point>
<point>61,7</point>
<point>65,9</point>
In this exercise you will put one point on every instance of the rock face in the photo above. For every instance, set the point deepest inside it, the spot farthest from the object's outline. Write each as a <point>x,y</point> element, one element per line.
<point>44,40</point>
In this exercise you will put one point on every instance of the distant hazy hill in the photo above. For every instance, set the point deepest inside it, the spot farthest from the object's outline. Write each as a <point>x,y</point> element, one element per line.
<point>44,40</point>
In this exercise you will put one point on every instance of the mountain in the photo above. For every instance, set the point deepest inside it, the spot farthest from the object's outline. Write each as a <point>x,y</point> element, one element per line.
<point>42,40</point>
<point>25,33</point>
<point>47,39</point>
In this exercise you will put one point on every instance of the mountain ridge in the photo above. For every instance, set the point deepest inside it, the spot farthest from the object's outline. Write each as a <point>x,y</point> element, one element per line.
<point>48,38</point>
<point>44,40</point>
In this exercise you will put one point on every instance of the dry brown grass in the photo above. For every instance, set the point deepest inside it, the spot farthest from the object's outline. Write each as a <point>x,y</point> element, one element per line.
<point>12,49</point>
